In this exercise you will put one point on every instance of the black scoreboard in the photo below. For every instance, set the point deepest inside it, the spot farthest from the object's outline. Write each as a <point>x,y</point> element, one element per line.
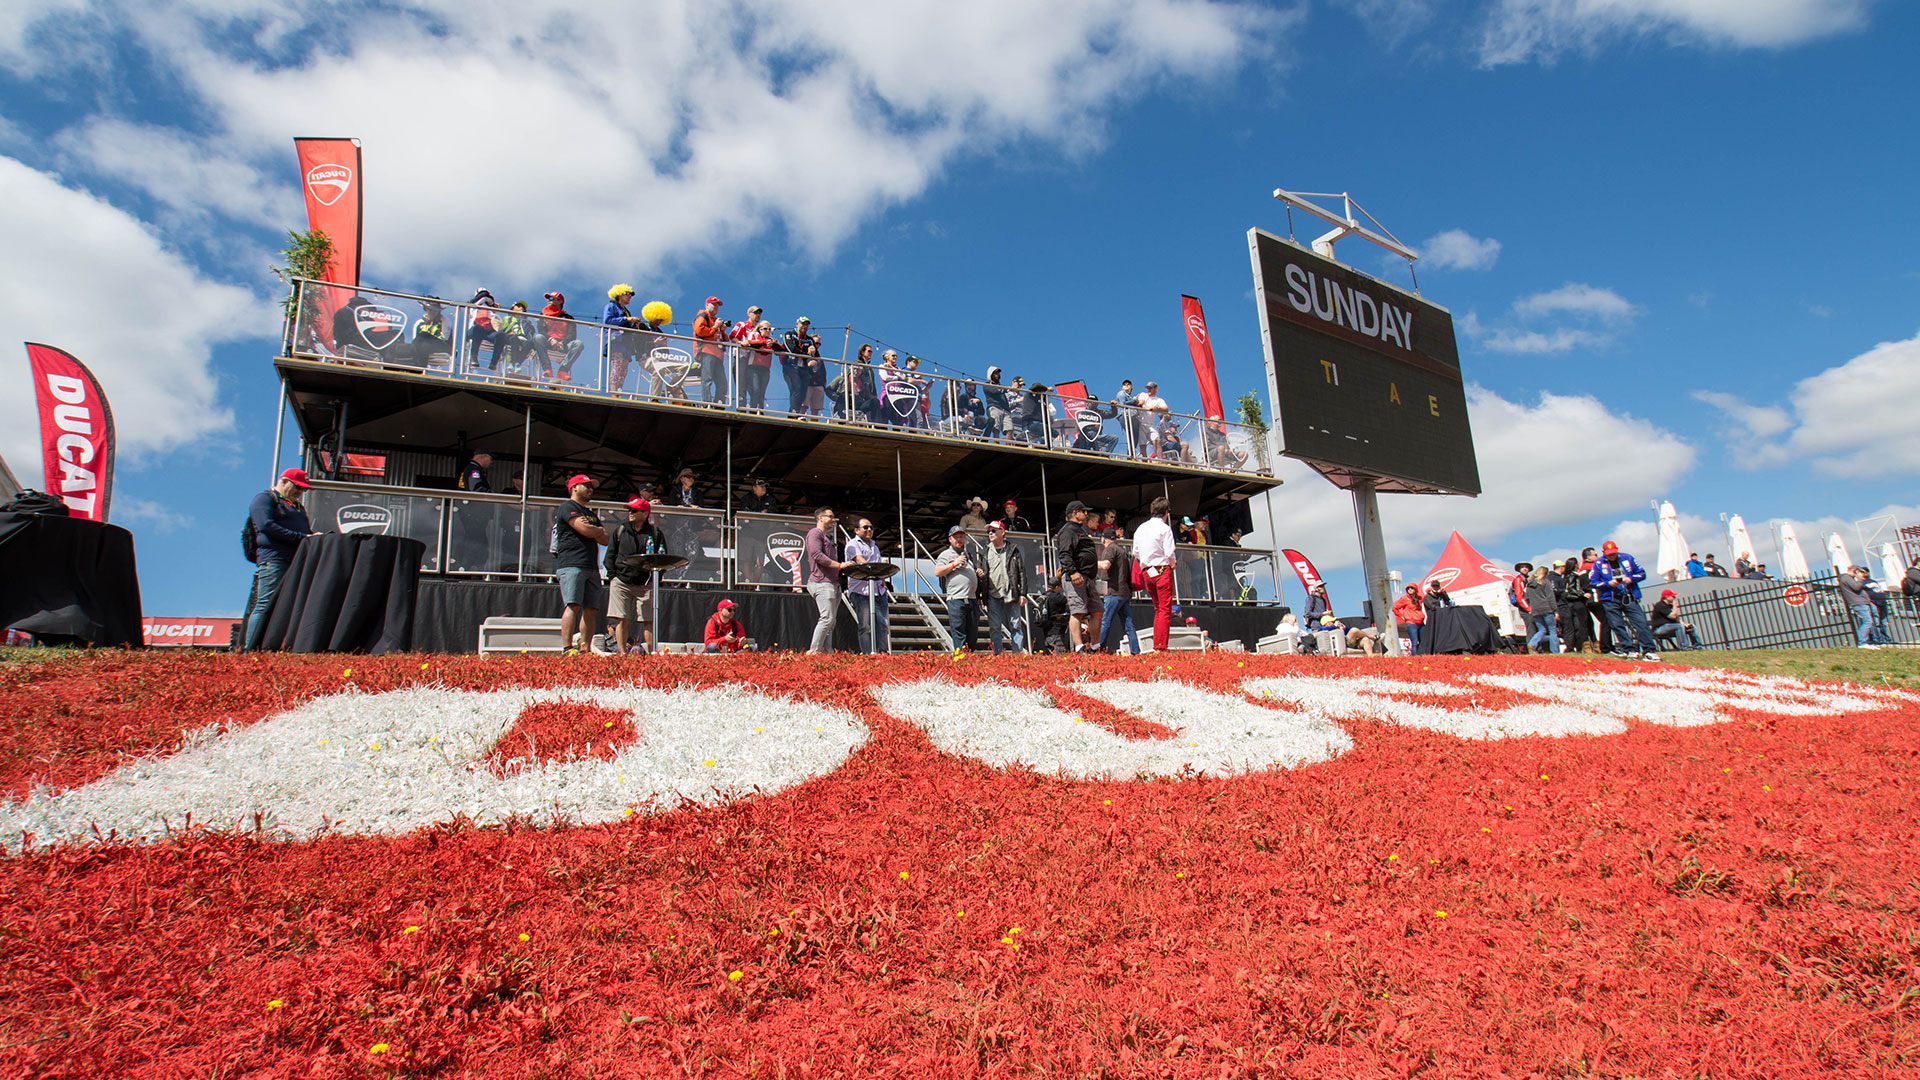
<point>1366,376</point>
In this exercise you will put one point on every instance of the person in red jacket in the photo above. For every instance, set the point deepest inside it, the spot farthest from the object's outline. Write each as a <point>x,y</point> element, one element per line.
<point>725,633</point>
<point>1410,613</point>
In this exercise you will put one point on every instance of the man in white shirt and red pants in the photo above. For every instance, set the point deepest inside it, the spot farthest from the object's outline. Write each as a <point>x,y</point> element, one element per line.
<point>1153,550</point>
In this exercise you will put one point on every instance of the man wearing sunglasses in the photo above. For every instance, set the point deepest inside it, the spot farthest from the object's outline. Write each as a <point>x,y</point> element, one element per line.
<point>869,597</point>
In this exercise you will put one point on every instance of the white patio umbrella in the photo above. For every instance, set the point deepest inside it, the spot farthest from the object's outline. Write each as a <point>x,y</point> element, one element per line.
<point>1838,554</point>
<point>1742,543</point>
<point>1890,566</point>
<point>1793,561</point>
<point>1672,561</point>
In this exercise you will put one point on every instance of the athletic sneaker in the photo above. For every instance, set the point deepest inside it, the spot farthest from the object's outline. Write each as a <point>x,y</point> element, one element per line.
<point>1654,656</point>
<point>571,650</point>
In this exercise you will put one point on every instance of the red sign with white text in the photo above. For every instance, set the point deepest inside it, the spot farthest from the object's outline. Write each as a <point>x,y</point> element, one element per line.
<point>179,633</point>
<point>76,432</point>
<point>330,179</point>
<point>1303,566</point>
<point>1201,346</point>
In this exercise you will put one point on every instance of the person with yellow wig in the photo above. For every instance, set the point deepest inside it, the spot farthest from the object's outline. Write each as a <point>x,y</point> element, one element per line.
<point>622,349</point>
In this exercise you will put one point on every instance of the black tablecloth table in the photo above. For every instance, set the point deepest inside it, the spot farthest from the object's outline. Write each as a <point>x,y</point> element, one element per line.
<point>347,592</point>
<point>1459,630</point>
<point>68,579</point>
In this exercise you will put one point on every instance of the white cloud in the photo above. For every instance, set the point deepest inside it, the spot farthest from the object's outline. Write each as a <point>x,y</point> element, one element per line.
<point>1522,30</point>
<point>510,149</point>
<point>1576,299</point>
<point>1526,464</point>
<point>130,512</point>
<point>1853,420</point>
<point>177,172</point>
<point>1457,249</point>
<point>1596,314</point>
<point>84,276</point>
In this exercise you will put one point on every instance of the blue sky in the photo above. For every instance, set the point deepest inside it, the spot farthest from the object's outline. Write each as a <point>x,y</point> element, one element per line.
<point>1676,234</point>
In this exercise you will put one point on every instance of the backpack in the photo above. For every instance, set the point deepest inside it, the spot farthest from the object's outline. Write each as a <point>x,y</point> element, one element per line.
<point>30,501</point>
<point>250,541</point>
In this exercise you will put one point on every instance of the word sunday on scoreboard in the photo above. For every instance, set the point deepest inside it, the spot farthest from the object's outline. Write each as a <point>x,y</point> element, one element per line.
<point>1366,376</point>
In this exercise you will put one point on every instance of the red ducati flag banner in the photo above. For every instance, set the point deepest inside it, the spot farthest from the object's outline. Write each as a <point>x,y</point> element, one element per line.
<point>330,178</point>
<point>76,431</point>
<point>1302,566</point>
<point>1201,346</point>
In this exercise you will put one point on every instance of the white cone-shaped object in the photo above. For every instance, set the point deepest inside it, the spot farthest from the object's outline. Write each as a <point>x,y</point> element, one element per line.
<point>1672,561</point>
<point>1742,543</point>
<point>1838,554</point>
<point>1890,568</point>
<point>1793,561</point>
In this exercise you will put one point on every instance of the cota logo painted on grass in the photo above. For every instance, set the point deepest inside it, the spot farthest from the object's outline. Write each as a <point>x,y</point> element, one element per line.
<point>391,762</point>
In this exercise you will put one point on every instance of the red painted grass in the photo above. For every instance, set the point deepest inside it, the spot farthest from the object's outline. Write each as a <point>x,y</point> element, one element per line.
<point>1736,900</point>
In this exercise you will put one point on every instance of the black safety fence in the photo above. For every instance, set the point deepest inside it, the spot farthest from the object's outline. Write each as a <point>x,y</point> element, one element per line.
<point>1792,615</point>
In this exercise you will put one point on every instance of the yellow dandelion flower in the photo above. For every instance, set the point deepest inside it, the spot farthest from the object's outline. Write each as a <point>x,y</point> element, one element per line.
<point>423,667</point>
<point>1484,828</point>
<point>274,1004</point>
<point>775,932</point>
<point>628,811</point>
<point>1544,776</point>
<point>709,763</point>
<point>959,914</point>
<point>1765,787</point>
<point>1180,873</point>
<point>375,746</point>
<point>1108,802</point>
<point>1726,770</point>
<point>1439,914</point>
<point>1015,930</point>
<point>347,674</point>
<point>378,1048</point>
<point>411,930</point>
<point>1006,941</point>
<point>1394,857</point>
<point>904,875</point>
<point>735,976</point>
<point>323,742</point>
<point>526,937</point>
<point>608,724</point>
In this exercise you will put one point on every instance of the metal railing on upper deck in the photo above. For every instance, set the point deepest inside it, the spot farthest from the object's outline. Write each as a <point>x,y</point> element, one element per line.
<point>503,346</point>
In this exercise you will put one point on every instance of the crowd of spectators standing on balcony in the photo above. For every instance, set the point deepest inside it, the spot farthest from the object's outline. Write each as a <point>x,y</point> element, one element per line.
<point>723,362</point>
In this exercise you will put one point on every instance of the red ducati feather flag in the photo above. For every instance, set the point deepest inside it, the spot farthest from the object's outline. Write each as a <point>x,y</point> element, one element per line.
<point>1201,346</point>
<point>1303,566</point>
<point>330,179</point>
<point>76,432</point>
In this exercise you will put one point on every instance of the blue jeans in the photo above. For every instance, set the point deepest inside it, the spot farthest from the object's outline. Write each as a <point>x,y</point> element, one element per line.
<point>861,603</point>
<point>1115,614</point>
<point>1003,617</point>
<point>1544,633</point>
<point>963,622</point>
<point>1863,623</point>
<point>1625,613</point>
<point>266,586</point>
<point>1678,633</point>
<point>1412,631</point>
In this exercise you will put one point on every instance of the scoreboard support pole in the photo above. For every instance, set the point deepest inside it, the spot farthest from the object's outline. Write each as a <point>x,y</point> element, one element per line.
<point>1373,562</point>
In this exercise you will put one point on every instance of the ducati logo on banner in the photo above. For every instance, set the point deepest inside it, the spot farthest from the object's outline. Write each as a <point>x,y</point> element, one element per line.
<point>903,397</point>
<point>670,364</point>
<point>76,432</point>
<point>1243,572</point>
<point>1089,421</point>
<point>1197,326</point>
<point>784,549</point>
<point>380,327</point>
<point>364,517</point>
<point>327,183</point>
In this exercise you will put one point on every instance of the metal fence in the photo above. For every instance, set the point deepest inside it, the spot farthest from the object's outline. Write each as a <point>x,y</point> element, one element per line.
<point>507,347</point>
<point>1790,615</point>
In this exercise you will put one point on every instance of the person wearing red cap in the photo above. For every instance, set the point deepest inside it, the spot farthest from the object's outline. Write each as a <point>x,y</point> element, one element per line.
<point>577,536</point>
<point>725,631</point>
<point>1616,578</point>
<point>712,333</point>
<point>629,588</point>
<point>1667,624</point>
<point>277,523</point>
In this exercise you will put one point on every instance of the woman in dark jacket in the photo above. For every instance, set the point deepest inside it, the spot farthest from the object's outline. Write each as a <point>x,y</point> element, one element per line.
<point>1543,602</point>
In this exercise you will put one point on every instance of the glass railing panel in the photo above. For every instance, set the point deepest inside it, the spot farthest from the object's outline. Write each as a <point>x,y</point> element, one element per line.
<point>1190,574</point>
<point>1241,575</point>
<point>357,510</point>
<point>490,536</point>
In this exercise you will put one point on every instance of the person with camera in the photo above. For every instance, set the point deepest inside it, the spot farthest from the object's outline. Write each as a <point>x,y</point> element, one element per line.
<point>758,343</point>
<point>1667,623</point>
<point>1616,579</point>
<point>711,331</point>
<point>277,523</point>
<point>806,395</point>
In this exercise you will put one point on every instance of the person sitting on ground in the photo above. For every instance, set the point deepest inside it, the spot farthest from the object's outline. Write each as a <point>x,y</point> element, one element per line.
<point>725,631</point>
<point>1051,624</point>
<point>1668,627</point>
<point>1364,638</point>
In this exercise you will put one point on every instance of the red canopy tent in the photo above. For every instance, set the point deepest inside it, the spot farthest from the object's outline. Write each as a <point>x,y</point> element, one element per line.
<point>1473,579</point>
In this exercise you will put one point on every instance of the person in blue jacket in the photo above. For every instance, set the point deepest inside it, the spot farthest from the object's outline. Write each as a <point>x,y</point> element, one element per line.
<point>1616,578</point>
<point>279,524</point>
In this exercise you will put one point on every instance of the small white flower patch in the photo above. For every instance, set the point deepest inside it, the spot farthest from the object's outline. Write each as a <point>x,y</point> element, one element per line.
<point>1214,734</point>
<point>1378,699</point>
<point>392,762</point>
<point>1692,698</point>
